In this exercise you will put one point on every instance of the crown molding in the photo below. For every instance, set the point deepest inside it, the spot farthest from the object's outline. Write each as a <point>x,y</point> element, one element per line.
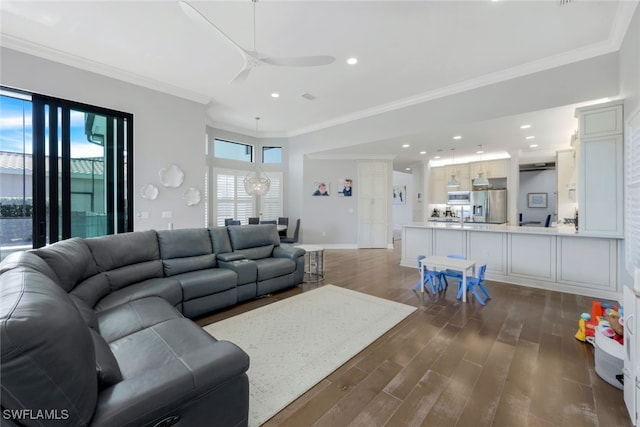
<point>86,64</point>
<point>467,85</point>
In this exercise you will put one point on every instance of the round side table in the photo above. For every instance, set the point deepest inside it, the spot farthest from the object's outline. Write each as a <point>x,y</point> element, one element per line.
<point>313,263</point>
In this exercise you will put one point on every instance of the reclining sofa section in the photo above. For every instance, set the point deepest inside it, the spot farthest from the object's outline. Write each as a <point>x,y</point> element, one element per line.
<point>93,330</point>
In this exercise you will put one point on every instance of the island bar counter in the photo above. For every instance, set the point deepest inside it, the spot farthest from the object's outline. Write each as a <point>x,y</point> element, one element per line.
<point>549,258</point>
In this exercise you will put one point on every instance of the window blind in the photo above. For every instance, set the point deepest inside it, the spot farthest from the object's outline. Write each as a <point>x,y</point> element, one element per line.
<point>231,200</point>
<point>271,206</point>
<point>632,197</point>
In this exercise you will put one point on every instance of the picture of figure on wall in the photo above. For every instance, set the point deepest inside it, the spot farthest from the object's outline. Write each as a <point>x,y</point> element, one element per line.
<point>399,194</point>
<point>321,188</point>
<point>346,187</point>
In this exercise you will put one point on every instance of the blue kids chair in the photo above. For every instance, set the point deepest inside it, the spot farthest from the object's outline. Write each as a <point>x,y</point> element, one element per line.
<point>452,273</point>
<point>430,276</point>
<point>475,283</point>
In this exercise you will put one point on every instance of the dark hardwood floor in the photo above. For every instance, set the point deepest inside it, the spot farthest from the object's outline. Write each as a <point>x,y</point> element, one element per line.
<point>514,362</point>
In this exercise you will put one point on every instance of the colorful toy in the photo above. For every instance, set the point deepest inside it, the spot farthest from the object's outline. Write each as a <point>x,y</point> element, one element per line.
<point>581,335</point>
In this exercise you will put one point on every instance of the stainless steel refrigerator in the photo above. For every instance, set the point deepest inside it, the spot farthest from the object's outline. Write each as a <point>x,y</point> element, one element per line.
<point>489,206</point>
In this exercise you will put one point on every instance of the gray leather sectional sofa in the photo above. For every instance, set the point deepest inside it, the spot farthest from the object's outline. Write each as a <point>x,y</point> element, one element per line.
<point>93,331</point>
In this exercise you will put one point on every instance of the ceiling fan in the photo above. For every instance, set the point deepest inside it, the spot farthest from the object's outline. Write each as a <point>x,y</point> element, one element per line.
<point>252,58</point>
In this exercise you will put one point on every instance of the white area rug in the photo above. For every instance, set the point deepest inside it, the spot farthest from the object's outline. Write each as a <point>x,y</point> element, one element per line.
<point>295,343</point>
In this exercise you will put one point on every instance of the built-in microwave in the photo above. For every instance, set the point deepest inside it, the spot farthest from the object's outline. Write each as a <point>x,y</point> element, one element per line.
<point>459,198</point>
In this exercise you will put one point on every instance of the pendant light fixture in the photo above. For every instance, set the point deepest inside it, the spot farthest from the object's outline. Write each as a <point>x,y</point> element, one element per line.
<point>256,183</point>
<point>481,180</point>
<point>453,182</point>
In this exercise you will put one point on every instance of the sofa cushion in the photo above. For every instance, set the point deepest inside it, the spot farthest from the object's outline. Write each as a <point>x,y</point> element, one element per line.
<point>48,357</point>
<point>175,363</point>
<point>134,273</point>
<point>70,259</point>
<point>184,242</point>
<point>87,313</point>
<point>192,263</point>
<point>269,268</point>
<point>220,240</point>
<point>131,317</point>
<point>201,283</point>
<point>253,236</point>
<point>166,287</point>
<point>92,289</point>
<point>106,365</point>
<point>117,250</point>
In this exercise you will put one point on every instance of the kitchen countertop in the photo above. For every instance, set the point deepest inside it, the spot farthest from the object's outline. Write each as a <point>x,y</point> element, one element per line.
<point>562,230</point>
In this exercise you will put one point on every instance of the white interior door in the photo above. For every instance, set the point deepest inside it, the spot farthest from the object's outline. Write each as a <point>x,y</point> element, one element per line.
<point>373,204</point>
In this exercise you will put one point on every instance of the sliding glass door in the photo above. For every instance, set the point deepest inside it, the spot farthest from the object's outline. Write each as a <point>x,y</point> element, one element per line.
<point>76,174</point>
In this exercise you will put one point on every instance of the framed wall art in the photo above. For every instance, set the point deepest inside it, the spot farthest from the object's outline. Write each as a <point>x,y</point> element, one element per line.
<point>536,200</point>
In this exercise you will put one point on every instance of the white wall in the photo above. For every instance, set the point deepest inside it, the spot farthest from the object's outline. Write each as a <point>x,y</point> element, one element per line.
<point>329,219</point>
<point>538,182</point>
<point>167,130</point>
<point>403,214</point>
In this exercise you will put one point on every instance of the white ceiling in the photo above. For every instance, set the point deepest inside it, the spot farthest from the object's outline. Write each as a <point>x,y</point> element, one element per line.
<point>408,51</point>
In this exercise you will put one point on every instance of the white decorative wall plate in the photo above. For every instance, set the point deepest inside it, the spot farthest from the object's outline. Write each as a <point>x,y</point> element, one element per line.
<point>171,176</point>
<point>192,196</point>
<point>149,192</point>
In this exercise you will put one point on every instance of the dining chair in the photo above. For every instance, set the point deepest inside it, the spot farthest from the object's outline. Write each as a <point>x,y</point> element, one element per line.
<point>283,220</point>
<point>430,276</point>
<point>228,221</point>
<point>296,232</point>
<point>475,283</point>
<point>268,222</point>
<point>234,222</point>
<point>253,220</point>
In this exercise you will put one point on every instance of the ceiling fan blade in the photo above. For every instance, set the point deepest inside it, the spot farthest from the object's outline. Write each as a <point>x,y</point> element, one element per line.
<point>300,61</point>
<point>195,15</point>
<point>241,76</point>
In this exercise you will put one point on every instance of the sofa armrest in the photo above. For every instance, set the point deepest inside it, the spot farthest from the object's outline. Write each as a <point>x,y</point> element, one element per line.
<point>287,251</point>
<point>231,256</point>
<point>246,269</point>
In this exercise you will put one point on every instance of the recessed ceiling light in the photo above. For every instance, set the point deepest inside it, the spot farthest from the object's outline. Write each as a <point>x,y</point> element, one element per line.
<point>530,137</point>
<point>405,146</point>
<point>436,157</point>
<point>457,137</point>
<point>423,152</point>
<point>525,126</point>
<point>407,169</point>
<point>352,61</point>
<point>533,145</point>
<point>275,95</point>
<point>479,151</point>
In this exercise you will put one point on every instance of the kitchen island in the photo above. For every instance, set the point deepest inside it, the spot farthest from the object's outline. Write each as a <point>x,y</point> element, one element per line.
<point>555,258</point>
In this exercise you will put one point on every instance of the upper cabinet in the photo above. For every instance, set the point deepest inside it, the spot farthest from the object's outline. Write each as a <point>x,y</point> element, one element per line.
<point>601,169</point>
<point>465,174</point>
<point>603,121</point>
<point>490,168</point>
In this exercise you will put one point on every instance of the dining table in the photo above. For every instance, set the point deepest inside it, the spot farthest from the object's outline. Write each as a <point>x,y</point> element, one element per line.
<point>440,263</point>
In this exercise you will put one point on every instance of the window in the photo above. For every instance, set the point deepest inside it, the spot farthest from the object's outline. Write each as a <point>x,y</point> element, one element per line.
<point>65,170</point>
<point>271,206</point>
<point>232,150</point>
<point>231,200</point>
<point>271,154</point>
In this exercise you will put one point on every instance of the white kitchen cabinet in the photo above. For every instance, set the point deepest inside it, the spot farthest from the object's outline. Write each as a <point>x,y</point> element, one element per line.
<point>491,168</point>
<point>601,120</point>
<point>600,195</point>
<point>461,172</point>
